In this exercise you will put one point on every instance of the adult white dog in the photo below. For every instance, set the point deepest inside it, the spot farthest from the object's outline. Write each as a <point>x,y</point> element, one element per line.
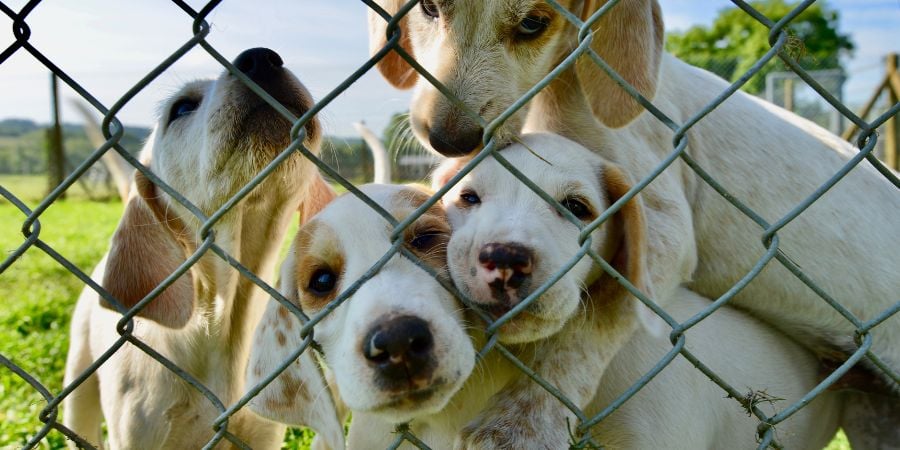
<point>212,138</point>
<point>489,53</point>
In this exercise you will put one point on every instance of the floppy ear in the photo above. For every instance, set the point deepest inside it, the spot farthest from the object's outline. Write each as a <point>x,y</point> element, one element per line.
<point>318,194</point>
<point>629,37</point>
<point>144,251</point>
<point>446,170</point>
<point>630,258</point>
<point>299,395</point>
<point>394,68</point>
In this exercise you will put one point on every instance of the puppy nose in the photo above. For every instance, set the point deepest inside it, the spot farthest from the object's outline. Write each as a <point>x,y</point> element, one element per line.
<point>505,265</point>
<point>399,348</point>
<point>259,63</point>
<point>455,137</point>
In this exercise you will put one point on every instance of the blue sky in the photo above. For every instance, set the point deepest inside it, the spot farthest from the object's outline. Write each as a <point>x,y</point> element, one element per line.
<point>108,45</point>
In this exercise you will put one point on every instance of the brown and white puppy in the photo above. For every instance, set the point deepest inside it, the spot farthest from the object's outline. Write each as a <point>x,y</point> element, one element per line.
<point>212,138</point>
<point>489,53</point>
<point>396,347</point>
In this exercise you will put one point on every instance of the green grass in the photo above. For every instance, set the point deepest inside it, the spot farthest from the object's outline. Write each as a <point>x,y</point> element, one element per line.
<point>38,296</point>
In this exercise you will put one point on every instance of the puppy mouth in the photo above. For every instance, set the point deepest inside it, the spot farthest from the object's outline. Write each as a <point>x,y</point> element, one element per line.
<point>410,402</point>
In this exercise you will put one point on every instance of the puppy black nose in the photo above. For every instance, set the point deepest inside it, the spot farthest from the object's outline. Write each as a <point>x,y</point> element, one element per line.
<point>400,348</point>
<point>455,140</point>
<point>259,64</point>
<point>505,265</point>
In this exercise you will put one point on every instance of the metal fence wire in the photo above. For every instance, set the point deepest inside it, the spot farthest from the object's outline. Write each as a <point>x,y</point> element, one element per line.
<point>581,436</point>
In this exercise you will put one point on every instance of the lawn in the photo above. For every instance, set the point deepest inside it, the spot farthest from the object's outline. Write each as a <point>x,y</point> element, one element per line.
<point>38,296</point>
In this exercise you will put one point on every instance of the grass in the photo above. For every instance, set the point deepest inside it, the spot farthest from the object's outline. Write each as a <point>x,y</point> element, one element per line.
<point>38,297</point>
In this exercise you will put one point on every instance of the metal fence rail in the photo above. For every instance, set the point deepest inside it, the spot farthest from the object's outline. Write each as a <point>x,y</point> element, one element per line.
<point>582,438</point>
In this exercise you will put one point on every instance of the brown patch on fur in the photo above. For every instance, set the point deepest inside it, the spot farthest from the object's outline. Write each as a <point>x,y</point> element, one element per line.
<point>318,195</point>
<point>284,316</point>
<point>432,222</point>
<point>317,248</point>
<point>393,67</point>
<point>282,340</point>
<point>148,232</point>
<point>630,257</point>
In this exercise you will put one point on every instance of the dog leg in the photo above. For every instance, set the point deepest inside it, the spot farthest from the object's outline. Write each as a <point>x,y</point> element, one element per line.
<point>872,421</point>
<point>524,414</point>
<point>81,409</point>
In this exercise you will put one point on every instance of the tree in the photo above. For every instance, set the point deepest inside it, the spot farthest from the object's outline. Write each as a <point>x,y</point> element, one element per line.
<point>735,41</point>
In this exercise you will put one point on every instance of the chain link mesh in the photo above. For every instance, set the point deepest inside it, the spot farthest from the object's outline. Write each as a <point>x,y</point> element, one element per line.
<point>582,438</point>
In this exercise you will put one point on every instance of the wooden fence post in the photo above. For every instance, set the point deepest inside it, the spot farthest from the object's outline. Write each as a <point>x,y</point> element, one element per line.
<point>56,160</point>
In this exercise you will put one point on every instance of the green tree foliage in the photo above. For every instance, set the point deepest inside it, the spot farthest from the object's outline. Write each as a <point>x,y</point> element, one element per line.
<point>735,41</point>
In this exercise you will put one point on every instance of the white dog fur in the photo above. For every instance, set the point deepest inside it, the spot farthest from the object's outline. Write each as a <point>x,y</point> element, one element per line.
<point>766,157</point>
<point>343,242</point>
<point>213,136</point>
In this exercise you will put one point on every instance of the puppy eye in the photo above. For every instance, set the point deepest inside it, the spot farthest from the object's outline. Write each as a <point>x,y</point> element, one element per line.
<point>532,26</point>
<point>425,240</point>
<point>183,108</point>
<point>577,207</point>
<point>430,9</point>
<point>470,198</point>
<point>322,282</point>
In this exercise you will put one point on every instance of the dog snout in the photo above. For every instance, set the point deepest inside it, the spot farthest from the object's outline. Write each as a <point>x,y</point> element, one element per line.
<point>505,267</point>
<point>455,136</point>
<point>260,64</point>
<point>400,349</point>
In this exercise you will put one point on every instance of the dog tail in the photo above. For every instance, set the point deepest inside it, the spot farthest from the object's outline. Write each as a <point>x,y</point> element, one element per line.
<point>119,168</point>
<point>379,153</point>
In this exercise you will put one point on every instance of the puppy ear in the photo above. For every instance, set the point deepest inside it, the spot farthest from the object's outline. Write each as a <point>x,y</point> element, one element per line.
<point>445,171</point>
<point>629,37</point>
<point>630,258</point>
<point>299,395</point>
<point>144,251</point>
<point>394,68</point>
<point>319,194</point>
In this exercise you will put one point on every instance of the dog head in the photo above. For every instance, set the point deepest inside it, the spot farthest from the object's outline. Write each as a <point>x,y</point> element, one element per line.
<point>212,137</point>
<point>488,53</point>
<point>396,346</point>
<point>507,241</point>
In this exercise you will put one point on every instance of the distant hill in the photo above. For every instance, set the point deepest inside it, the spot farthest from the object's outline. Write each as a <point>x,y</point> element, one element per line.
<point>23,148</point>
<point>23,145</point>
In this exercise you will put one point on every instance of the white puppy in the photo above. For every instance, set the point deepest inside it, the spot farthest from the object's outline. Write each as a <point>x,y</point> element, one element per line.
<point>396,346</point>
<point>212,138</point>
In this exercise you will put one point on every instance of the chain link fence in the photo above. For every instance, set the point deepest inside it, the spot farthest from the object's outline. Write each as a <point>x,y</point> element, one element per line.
<point>582,438</point>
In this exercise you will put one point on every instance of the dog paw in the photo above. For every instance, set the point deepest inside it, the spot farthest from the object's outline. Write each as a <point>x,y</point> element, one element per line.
<point>517,424</point>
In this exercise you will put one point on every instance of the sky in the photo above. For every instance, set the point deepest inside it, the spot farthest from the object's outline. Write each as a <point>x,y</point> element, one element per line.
<point>109,45</point>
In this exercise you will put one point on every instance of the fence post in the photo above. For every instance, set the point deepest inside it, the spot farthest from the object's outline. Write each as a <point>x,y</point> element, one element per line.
<point>892,126</point>
<point>789,94</point>
<point>55,155</point>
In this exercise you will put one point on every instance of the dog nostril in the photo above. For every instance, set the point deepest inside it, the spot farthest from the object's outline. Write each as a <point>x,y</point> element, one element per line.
<point>258,63</point>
